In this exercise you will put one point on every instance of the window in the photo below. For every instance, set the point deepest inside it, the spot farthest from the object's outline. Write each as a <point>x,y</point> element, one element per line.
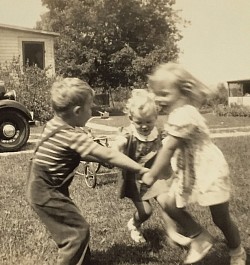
<point>235,90</point>
<point>33,53</point>
<point>246,89</point>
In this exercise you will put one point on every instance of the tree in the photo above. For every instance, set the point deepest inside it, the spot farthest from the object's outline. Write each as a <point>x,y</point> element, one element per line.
<point>112,43</point>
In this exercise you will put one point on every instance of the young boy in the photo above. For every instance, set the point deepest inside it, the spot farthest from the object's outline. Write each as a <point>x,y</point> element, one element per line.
<point>57,155</point>
<point>141,141</point>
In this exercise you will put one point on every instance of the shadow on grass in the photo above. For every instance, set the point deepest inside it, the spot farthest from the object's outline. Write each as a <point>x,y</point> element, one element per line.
<point>121,253</point>
<point>150,253</point>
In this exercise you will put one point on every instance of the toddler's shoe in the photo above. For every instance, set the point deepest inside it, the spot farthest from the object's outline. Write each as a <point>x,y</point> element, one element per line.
<point>238,257</point>
<point>135,232</point>
<point>199,247</point>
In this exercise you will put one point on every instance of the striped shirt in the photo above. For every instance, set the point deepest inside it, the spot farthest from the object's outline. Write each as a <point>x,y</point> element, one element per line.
<point>61,153</point>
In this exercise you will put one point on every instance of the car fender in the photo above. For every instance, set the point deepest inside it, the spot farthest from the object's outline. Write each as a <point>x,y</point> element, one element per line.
<point>12,104</point>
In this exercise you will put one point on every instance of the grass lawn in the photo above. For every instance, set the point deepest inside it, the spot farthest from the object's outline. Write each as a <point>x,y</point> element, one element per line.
<point>25,241</point>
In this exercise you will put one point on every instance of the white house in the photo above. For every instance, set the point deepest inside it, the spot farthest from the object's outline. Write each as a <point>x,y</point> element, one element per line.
<point>30,45</point>
<point>239,92</point>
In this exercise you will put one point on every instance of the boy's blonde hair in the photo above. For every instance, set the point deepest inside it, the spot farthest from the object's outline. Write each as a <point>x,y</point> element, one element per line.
<point>186,82</point>
<point>68,92</point>
<point>141,103</point>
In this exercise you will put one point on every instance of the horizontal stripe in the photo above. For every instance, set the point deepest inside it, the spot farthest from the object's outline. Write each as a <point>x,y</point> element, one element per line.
<point>62,152</point>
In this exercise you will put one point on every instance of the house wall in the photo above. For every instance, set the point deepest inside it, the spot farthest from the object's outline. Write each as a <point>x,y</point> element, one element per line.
<point>11,45</point>
<point>245,101</point>
<point>239,93</point>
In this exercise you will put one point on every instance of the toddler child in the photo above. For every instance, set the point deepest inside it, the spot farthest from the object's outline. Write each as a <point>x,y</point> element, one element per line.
<point>140,141</point>
<point>202,173</point>
<point>56,157</point>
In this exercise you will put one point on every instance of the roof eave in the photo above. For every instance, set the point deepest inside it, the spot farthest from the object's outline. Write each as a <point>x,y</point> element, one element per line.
<point>10,27</point>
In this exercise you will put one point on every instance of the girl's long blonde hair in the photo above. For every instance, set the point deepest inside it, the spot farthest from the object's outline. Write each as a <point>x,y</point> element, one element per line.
<point>186,82</point>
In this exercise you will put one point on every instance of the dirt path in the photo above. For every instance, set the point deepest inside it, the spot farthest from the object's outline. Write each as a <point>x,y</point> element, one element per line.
<point>110,131</point>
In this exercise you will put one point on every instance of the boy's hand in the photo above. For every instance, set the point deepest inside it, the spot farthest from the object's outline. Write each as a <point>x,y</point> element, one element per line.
<point>147,179</point>
<point>143,170</point>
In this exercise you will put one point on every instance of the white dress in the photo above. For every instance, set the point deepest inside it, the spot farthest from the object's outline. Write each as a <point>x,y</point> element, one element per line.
<point>202,173</point>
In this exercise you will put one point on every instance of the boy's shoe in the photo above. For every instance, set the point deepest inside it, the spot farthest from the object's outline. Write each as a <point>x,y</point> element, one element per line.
<point>176,238</point>
<point>199,248</point>
<point>238,259</point>
<point>135,232</point>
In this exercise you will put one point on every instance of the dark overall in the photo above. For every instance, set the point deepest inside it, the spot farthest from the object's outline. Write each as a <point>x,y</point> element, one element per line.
<point>59,214</point>
<point>128,185</point>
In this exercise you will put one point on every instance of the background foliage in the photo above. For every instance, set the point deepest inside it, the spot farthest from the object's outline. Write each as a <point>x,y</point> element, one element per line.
<point>233,110</point>
<point>112,43</point>
<point>32,87</point>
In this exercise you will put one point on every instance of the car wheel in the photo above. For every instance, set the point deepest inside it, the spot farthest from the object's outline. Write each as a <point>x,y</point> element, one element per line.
<point>14,130</point>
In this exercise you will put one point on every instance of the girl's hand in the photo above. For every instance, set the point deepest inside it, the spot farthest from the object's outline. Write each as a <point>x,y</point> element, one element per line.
<point>147,179</point>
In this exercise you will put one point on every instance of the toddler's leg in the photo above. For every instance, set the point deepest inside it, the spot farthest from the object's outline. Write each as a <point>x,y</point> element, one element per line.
<point>222,219</point>
<point>201,241</point>
<point>182,217</point>
<point>144,211</point>
<point>69,230</point>
<point>170,224</point>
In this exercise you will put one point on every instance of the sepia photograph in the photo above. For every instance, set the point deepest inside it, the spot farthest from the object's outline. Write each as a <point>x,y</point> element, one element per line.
<point>124,132</point>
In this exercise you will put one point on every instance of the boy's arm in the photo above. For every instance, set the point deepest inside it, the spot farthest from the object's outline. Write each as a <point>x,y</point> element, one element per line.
<point>116,158</point>
<point>90,158</point>
<point>120,143</point>
<point>162,161</point>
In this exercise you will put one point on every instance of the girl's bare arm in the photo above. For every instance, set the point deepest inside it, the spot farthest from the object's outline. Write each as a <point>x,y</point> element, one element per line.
<point>162,161</point>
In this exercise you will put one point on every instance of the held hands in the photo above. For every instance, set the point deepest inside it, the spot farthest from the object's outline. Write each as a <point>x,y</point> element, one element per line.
<point>143,170</point>
<point>147,179</point>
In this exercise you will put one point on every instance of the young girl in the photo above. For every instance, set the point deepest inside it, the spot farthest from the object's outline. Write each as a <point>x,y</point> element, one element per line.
<point>140,141</point>
<point>202,173</point>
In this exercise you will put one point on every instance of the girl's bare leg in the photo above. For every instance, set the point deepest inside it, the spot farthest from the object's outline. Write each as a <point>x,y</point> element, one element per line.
<point>170,224</point>
<point>222,219</point>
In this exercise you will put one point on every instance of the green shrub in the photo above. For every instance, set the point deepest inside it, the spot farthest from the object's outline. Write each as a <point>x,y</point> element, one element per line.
<point>233,110</point>
<point>117,100</point>
<point>32,87</point>
<point>220,97</point>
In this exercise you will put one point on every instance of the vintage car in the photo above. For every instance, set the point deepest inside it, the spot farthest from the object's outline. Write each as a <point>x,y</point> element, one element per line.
<point>15,120</point>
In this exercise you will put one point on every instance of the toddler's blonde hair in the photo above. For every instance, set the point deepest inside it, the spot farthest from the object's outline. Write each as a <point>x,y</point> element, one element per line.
<point>186,82</point>
<point>141,103</point>
<point>68,92</point>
